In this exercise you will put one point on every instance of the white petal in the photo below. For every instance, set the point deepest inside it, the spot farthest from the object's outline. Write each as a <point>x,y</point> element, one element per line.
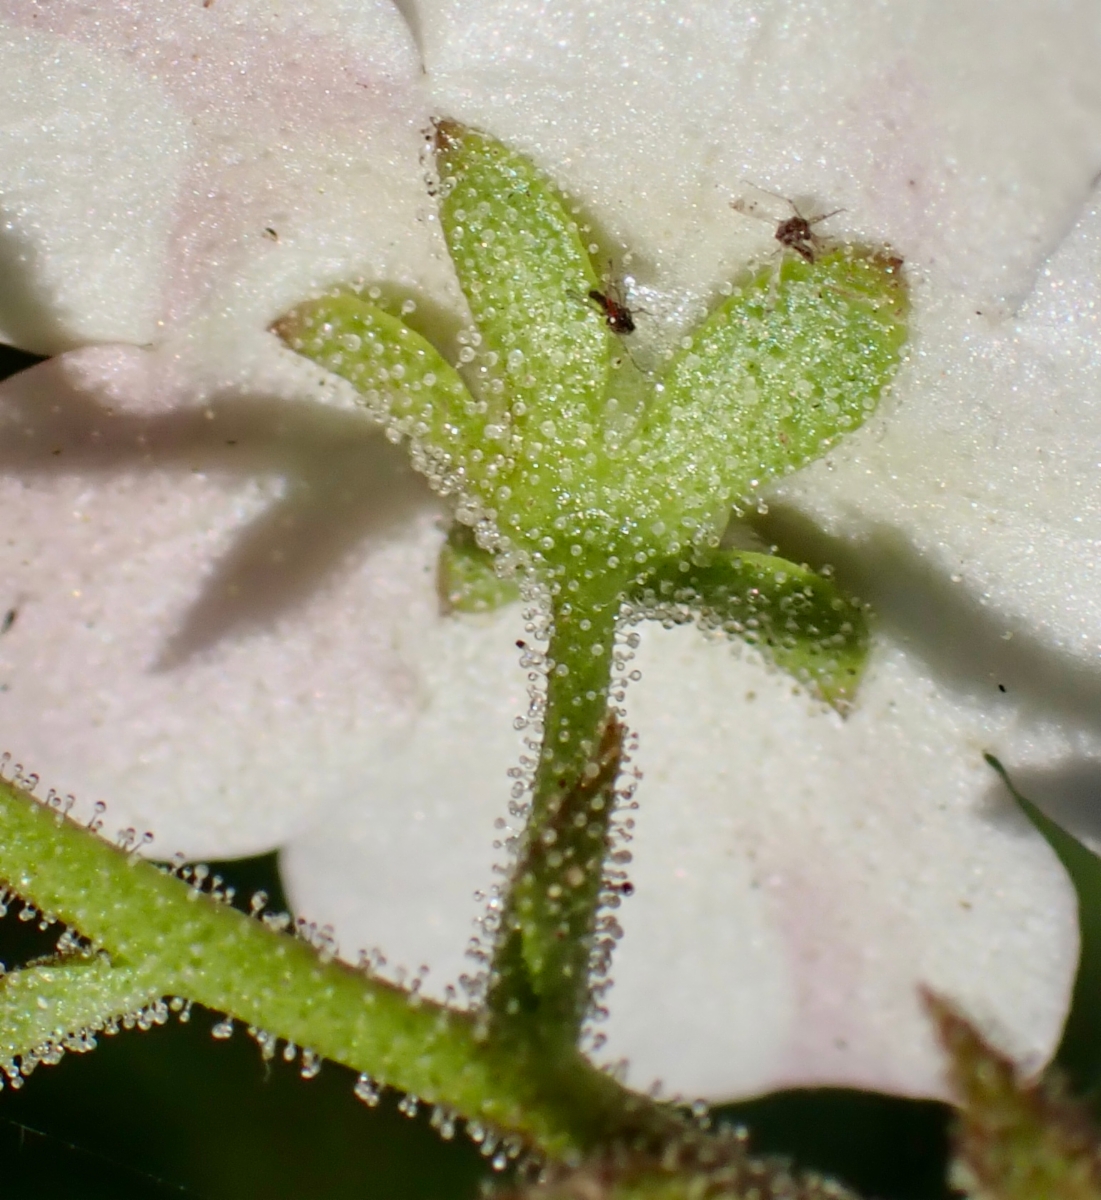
<point>202,569</point>
<point>966,142</point>
<point>83,263</point>
<point>405,863</point>
<point>205,601</point>
<point>127,645</point>
<point>956,139</point>
<point>193,171</point>
<point>797,876</point>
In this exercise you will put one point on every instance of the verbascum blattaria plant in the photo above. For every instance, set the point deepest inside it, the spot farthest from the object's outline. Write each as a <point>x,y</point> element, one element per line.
<point>601,487</point>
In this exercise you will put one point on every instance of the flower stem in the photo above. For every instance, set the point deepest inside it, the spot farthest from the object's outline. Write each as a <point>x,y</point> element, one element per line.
<point>540,976</point>
<point>165,938</point>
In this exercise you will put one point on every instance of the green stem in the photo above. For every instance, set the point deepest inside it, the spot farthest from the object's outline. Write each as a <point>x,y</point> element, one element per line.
<point>167,939</point>
<point>540,977</point>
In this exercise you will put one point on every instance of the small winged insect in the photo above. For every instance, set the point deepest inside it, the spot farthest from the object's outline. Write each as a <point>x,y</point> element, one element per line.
<point>795,232</point>
<point>617,316</point>
<point>612,304</point>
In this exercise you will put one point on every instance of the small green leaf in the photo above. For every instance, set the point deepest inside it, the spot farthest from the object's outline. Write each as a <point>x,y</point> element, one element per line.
<point>797,618</point>
<point>1079,1053</point>
<point>797,356</point>
<point>466,579</point>
<point>404,381</point>
<point>544,361</point>
<point>526,274</point>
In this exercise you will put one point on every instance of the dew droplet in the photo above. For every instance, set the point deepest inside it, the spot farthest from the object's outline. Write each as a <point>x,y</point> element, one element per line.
<point>367,1091</point>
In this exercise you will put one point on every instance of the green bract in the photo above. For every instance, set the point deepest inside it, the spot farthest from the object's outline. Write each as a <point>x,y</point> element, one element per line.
<point>797,355</point>
<point>465,578</point>
<point>611,486</point>
<point>1016,1138</point>
<point>792,615</point>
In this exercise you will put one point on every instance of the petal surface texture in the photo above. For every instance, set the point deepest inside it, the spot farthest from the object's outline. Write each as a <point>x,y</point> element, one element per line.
<point>222,577</point>
<point>188,172</point>
<point>797,875</point>
<point>839,864</point>
<point>192,518</point>
<point>202,601</point>
<point>977,493</point>
<point>967,144</point>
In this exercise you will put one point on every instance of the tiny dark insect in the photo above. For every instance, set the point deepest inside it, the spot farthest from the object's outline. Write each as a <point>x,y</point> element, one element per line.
<point>796,232</point>
<point>617,316</point>
<point>612,303</point>
<point>8,620</point>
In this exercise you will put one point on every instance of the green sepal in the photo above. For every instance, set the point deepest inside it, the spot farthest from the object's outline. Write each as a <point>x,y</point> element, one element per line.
<point>60,1004</point>
<point>466,579</point>
<point>797,356</point>
<point>795,617</point>
<point>404,381</point>
<point>1016,1138</point>
<point>545,353</point>
<point>518,253</point>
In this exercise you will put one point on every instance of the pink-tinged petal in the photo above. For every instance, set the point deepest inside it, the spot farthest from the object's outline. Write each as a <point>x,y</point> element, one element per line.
<point>965,141</point>
<point>87,262</point>
<point>797,876</point>
<point>191,171</point>
<point>204,555</point>
<point>405,862</point>
<point>165,655</point>
<point>207,603</point>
